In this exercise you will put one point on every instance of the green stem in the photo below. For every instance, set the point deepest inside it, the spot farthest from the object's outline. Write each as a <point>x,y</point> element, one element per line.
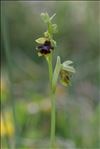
<point>53,121</point>
<point>49,60</point>
<point>52,135</point>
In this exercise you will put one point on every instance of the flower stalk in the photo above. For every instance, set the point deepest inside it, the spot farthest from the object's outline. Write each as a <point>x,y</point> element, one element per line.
<point>53,109</point>
<point>46,48</point>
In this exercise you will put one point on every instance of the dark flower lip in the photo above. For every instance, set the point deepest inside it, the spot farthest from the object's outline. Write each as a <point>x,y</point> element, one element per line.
<point>45,48</point>
<point>65,77</point>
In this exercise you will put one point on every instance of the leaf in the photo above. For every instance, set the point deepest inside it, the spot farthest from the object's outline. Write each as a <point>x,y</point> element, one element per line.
<point>41,40</point>
<point>56,73</point>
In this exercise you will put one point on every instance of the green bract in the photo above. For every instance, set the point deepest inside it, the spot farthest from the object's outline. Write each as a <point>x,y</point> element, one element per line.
<point>52,16</point>
<point>45,17</point>
<point>56,73</point>
<point>52,28</point>
<point>53,42</point>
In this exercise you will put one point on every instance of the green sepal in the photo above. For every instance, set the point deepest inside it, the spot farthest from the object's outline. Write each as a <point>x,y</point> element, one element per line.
<point>46,17</point>
<point>41,40</point>
<point>56,73</point>
<point>66,66</point>
<point>39,54</point>
<point>52,28</point>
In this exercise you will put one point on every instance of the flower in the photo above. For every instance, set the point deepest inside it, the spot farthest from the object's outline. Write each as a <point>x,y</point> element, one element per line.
<point>66,72</point>
<point>47,43</point>
<point>65,77</point>
<point>45,48</point>
<point>7,127</point>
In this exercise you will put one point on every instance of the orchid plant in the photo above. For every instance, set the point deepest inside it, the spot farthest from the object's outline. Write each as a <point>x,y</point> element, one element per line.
<point>46,47</point>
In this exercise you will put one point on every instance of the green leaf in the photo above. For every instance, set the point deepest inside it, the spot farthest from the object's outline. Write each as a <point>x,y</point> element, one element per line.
<point>56,73</point>
<point>41,40</point>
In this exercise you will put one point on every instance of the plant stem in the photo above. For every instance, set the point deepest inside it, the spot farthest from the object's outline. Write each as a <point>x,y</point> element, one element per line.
<point>52,121</point>
<point>52,135</point>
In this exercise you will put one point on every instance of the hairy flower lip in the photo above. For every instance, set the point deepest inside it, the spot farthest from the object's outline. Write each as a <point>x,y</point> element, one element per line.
<point>65,77</point>
<point>45,48</point>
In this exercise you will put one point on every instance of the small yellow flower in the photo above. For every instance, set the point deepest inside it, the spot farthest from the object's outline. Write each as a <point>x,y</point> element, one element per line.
<point>7,127</point>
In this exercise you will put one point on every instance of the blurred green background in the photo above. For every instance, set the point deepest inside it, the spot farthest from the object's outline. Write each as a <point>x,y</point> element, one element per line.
<point>25,102</point>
